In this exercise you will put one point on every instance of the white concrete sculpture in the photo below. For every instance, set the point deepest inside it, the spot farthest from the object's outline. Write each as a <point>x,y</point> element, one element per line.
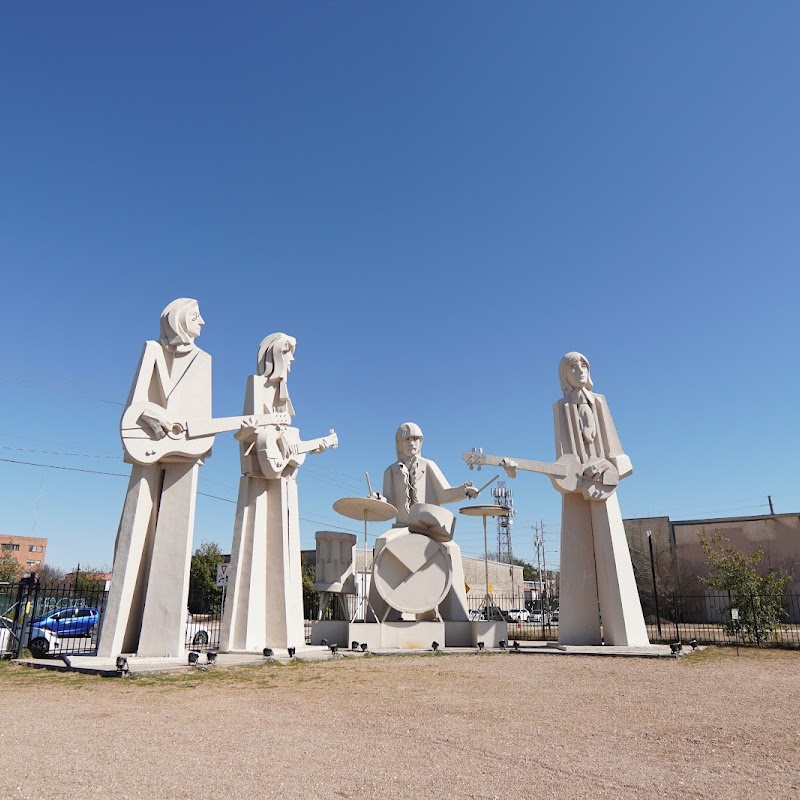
<point>417,487</point>
<point>335,568</point>
<point>595,560</point>
<point>146,608</point>
<point>596,572</point>
<point>264,607</point>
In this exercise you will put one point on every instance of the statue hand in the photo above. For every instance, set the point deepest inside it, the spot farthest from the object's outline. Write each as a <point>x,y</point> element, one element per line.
<point>158,423</point>
<point>247,430</point>
<point>470,490</point>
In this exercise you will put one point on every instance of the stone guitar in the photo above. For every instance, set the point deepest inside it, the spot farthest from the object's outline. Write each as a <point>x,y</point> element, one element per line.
<point>185,439</point>
<point>568,474</point>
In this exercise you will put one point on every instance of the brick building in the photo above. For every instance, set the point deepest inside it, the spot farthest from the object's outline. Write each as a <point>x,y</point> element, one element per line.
<point>29,551</point>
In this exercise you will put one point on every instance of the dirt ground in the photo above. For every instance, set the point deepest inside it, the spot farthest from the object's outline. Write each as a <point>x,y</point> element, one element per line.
<point>710,725</point>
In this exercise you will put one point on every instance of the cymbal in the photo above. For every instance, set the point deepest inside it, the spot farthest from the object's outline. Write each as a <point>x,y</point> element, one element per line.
<point>365,508</point>
<point>485,511</point>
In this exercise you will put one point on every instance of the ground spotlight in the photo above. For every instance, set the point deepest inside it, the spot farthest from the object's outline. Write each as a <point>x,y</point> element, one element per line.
<point>502,644</point>
<point>323,642</point>
<point>693,644</point>
<point>334,648</point>
<point>291,651</point>
<point>211,658</point>
<point>675,647</point>
<point>354,645</point>
<point>193,658</point>
<point>435,646</point>
<point>363,647</point>
<point>516,646</point>
<point>122,665</point>
<point>481,645</point>
<point>268,652</point>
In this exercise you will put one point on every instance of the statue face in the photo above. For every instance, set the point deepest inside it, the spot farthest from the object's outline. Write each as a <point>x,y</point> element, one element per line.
<point>194,322</point>
<point>578,374</point>
<point>287,351</point>
<point>411,446</point>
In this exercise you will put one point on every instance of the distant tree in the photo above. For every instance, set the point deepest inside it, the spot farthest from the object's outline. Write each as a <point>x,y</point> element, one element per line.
<point>88,579</point>
<point>758,597</point>
<point>204,594</point>
<point>50,576</point>
<point>310,595</point>
<point>529,572</point>
<point>10,569</point>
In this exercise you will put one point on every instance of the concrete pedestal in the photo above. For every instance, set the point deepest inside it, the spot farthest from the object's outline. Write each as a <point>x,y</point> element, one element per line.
<point>386,635</point>
<point>490,632</point>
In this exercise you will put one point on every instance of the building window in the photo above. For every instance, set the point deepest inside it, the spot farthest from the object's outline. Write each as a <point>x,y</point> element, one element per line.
<point>9,546</point>
<point>35,548</point>
<point>30,563</point>
<point>38,563</point>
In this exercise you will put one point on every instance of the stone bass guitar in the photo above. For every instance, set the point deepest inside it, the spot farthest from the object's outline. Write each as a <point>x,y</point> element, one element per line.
<point>279,447</point>
<point>566,474</point>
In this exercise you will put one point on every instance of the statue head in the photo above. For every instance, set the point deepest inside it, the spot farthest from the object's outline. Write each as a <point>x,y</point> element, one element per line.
<point>275,356</point>
<point>408,440</point>
<point>180,324</point>
<point>573,372</point>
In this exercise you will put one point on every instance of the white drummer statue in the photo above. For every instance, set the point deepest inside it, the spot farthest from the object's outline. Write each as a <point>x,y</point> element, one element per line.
<point>402,577</point>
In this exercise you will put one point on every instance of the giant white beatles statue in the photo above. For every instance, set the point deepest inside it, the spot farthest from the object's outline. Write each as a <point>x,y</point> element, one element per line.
<point>264,607</point>
<point>146,608</point>
<point>417,488</point>
<point>596,572</point>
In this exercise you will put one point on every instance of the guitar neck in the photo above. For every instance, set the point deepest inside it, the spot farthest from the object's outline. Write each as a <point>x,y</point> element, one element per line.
<point>314,444</point>
<point>210,427</point>
<point>542,467</point>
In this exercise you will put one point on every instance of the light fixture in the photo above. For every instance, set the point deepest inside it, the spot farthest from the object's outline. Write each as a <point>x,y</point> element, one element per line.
<point>354,645</point>
<point>334,648</point>
<point>481,645</point>
<point>268,652</point>
<point>193,657</point>
<point>323,642</point>
<point>291,651</point>
<point>675,647</point>
<point>693,644</point>
<point>122,665</point>
<point>211,658</point>
<point>363,647</point>
<point>435,646</point>
<point>516,646</point>
<point>502,644</point>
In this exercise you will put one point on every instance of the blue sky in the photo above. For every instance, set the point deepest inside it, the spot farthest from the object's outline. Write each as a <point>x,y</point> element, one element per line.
<point>438,200</point>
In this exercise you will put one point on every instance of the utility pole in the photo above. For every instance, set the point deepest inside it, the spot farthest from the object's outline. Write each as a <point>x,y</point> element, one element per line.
<point>538,541</point>
<point>544,566</point>
<point>771,509</point>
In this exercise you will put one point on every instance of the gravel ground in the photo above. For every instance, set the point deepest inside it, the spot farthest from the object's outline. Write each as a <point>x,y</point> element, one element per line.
<point>710,725</point>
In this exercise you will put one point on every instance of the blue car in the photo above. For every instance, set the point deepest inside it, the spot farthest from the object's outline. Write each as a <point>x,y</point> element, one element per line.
<point>70,621</point>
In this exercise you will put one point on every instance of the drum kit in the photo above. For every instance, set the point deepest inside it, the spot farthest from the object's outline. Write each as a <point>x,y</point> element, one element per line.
<point>424,518</point>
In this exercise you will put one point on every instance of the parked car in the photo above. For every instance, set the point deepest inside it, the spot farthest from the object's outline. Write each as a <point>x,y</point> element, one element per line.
<point>40,641</point>
<point>476,614</point>
<point>541,616</point>
<point>79,621</point>
<point>199,632</point>
<point>519,615</point>
<point>554,615</point>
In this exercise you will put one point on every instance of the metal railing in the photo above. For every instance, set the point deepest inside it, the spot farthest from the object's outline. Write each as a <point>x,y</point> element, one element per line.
<point>52,620</point>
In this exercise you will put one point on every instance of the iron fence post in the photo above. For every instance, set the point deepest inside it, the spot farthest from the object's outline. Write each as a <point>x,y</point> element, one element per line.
<point>675,614</point>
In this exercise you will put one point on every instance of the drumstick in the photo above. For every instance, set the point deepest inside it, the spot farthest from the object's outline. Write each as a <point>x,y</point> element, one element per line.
<point>369,485</point>
<point>486,484</point>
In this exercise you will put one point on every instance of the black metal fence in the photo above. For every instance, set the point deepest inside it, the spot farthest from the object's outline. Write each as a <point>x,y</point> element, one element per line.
<point>204,619</point>
<point>65,619</point>
<point>710,618</point>
<point>53,620</point>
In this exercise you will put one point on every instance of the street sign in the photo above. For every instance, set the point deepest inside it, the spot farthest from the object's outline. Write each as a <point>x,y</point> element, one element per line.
<point>222,574</point>
<point>734,613</point>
